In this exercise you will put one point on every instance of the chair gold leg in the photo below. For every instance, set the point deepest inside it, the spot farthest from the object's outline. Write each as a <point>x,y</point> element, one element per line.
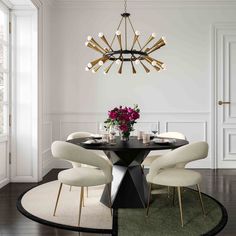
<point>173,200</point>
<point>83,199</point>
<point>58,195</point>
<point>180,206</point>
<point>200,197</point>
<point>80,204</point>
<point>87,191</point>
<point>70,188</point>
<point>149,196</point>
<point>109,196</point>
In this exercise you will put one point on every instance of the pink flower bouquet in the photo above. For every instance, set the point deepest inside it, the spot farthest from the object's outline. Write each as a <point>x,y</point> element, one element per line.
<point>124,119</point>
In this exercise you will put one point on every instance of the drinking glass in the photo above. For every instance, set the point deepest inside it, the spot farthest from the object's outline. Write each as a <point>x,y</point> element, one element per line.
<point>154,128</point>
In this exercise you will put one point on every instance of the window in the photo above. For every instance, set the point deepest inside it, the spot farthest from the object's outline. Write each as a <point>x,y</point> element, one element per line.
<point>4,67</point>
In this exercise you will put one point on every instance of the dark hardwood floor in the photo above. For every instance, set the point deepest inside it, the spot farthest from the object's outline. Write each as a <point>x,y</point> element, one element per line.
<point>221,184</point>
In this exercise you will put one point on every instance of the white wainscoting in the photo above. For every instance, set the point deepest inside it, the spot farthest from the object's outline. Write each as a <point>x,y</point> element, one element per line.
<point>58,126</point>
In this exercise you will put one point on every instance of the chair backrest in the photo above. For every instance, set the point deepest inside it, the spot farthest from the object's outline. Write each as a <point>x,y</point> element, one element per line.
<point>172,135</point>
<point>75,153</point>
<point>184,154</point>
<point>78,135</point>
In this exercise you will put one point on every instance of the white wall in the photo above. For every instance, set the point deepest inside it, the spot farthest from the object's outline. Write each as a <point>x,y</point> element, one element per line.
<point>178,98</point>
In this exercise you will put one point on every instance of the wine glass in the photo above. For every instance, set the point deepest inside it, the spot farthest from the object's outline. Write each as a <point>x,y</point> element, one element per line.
<point>102,128</point>
<point>154,128</point>
<point>112,132</point>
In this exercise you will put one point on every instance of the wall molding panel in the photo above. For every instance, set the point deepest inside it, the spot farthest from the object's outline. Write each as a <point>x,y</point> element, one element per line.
<point>60,125</point>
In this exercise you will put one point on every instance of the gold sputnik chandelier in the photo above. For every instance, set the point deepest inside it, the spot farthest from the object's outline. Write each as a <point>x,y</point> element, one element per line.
<point>125,53</point>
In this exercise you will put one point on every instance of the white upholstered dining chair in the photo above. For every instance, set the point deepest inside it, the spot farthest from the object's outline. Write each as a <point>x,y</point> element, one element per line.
<point>150,158</point>
<point>78,135</point>
<point>82,176</point>
<point>82,134</point>
<point>160,172</point>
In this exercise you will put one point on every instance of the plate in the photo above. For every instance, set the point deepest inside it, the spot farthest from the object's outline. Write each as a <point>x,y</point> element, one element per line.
<point>163,141</point>
<point>92,142</point>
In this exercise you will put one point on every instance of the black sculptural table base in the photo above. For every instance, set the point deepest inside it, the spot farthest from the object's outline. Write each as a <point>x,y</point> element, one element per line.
<point>129,186</point>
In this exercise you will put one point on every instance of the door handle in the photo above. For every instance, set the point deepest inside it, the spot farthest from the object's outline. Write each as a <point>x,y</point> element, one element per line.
<point>223,103</point>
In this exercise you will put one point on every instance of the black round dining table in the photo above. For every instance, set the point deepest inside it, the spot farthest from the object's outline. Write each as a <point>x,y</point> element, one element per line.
<point>129,187</point>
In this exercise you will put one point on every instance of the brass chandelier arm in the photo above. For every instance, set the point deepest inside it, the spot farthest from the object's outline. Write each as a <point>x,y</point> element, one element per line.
<point>109,67</point>
<point>160,43</point>
<point>145,67</point>
<point>94,47</point>
<point>134,41</point>
<point>134,32</point>
<point>121,66</point>
<point>120,42</point>
<point>103,38</point>
<point>148,41</point>
<point>93,63</point>
<point>97,44</point>
<point>133,68</point>
<point>156,62</point>
<point>150,62</point>
<point>96,69</point>
<point>116,30</point>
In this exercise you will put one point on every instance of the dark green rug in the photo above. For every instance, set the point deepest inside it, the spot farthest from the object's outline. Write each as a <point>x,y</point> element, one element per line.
<point>164,218</point>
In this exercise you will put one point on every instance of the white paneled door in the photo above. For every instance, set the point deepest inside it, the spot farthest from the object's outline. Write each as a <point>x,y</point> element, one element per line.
<point>225,103</point>
<point>4,95</point>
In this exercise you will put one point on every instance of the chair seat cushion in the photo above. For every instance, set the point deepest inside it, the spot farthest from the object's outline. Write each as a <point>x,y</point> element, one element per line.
<point>83,176</point>
<point>177,177</point>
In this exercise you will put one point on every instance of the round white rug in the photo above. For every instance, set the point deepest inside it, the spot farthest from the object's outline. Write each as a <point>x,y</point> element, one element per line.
<point>39,202</point>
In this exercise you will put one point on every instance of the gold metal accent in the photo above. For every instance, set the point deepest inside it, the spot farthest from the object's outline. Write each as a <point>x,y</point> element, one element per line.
<point>149,60</point>
<point>223,103</point>
<point>96,69</point>
<point>133,68</point>
<point>121,66</point>
<point>134,41</point>
<point>149,196</point>
<point>70,188</point>
<point>108,68</point>
<point>87,191</point>
<point>58,195</point>
<point>134,32</point>
<point>97,44</point>
<point>80,205</point>
<point>103,38</point>
<point>160,43</point>
<point>200,197</point>
<point>116,29</point>
<point>145,68</point>
<point>93,63</point>
<point>148,41</point>
<point>180,207</point>
<point>90,45</point>
<point>119,40</point>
